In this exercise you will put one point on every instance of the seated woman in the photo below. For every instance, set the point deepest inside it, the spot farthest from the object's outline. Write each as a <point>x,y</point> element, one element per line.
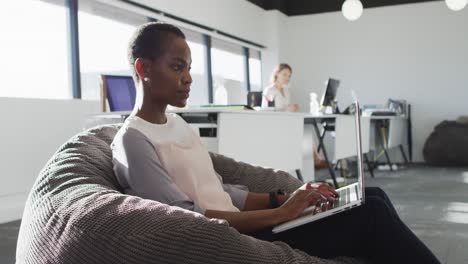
<point>278,94</point>
<point>158,156</point>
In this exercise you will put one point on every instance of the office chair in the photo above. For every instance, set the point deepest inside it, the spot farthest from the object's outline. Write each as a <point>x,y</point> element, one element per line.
<point>118,91</point>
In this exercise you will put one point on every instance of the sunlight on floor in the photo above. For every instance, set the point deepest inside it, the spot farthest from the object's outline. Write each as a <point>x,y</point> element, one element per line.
<point>465,176</point>
<point>457,212</point>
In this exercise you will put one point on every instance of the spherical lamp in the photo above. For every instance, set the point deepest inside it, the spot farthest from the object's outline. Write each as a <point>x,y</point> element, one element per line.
<point>352,9</point>
<point>456,5</point>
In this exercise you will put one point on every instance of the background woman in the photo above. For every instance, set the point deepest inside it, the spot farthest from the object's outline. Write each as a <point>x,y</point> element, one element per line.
<point>278,92</point>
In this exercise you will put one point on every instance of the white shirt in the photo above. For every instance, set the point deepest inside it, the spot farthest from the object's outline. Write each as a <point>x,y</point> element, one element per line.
<point>273,94</point>
<point>181,154</point>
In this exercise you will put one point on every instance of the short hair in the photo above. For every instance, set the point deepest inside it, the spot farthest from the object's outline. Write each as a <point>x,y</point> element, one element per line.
<point>148,42</point>
<point>280,67</point>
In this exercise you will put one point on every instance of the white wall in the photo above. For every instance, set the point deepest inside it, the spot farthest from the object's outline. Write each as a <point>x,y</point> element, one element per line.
<point>273,23</point>
<point>239,18</point>
<point>31,131</point>
<point>417,52</point>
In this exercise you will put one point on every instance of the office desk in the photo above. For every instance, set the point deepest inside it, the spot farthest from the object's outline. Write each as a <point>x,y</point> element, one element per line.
<point>390,132</point>
<point>344,127</point>
<point>275,139</point>
<point>267,139</point>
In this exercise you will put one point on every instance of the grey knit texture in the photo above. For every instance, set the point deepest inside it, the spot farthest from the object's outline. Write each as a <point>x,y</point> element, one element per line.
<point>76,213</point>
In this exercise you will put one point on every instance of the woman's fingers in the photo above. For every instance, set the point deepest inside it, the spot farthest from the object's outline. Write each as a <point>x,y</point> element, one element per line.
<point>328,188</point>
<point>314,197</point>
<point>331,190</point>
<point>322,187</point>
<point>322,202</point>
<point>329,196</point>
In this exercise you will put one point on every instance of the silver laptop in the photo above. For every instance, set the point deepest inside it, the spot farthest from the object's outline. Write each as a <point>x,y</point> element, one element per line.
<point>351,195</point>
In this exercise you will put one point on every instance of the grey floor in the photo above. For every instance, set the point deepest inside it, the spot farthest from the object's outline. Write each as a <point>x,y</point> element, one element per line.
<point>8,237</point>
<point>432,201</point>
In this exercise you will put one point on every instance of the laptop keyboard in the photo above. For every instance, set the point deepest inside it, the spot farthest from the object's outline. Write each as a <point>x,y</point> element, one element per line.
<point>347,195</point>
<point>344,197</point>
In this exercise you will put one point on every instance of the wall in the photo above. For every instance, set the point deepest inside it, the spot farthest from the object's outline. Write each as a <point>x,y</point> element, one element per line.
<point>31,131</point>
<point>239,18</point>
<point>416,52</point>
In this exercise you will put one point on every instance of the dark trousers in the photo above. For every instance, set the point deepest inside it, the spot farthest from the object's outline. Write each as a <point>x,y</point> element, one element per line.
<point>373,231</point>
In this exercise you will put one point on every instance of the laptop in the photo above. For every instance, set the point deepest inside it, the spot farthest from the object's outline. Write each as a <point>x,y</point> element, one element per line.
<point>351,196</point>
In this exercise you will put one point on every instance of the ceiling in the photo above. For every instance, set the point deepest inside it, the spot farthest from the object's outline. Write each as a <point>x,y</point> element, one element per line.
<point>304,7</point>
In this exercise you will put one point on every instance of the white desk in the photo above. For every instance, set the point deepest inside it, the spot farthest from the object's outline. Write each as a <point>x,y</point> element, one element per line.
<point>345,137</point>
<point>260,138</point>
<point>395,133</point>
<point>276,139</point>
<point>396,129</point>
<point>389,132</point>
<point>267,139</point>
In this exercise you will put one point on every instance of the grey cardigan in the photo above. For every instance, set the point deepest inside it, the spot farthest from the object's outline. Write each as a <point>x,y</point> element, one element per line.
<point>76,213</point>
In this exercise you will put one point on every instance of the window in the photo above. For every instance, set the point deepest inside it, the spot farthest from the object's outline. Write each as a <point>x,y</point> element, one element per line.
<point>255,70</point>
<point>228,72</point>
<point>34,53</point>
<point>104,33</point>
<point>199,88</point>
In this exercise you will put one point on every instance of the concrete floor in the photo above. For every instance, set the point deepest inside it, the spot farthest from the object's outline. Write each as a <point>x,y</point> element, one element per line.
<point>8,237</point>
<point>432,201</point>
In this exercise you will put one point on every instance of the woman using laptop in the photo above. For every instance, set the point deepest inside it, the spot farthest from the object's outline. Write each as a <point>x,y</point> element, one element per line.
<point>158,156</point>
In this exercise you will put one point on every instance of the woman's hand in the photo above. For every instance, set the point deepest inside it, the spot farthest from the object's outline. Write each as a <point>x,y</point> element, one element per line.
<point>299,201</point>
<point>292,108</point>
<point>320,195</point>
<point>257,215</point>
<point>324,189</point>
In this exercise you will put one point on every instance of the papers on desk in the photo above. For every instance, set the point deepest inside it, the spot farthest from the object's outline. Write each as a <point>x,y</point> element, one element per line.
<point>265,109</point>
<point>379,112</point>
<point>226,107</point>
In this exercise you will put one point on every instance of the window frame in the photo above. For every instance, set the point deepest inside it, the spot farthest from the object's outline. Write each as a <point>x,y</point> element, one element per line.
<point>206,40</point>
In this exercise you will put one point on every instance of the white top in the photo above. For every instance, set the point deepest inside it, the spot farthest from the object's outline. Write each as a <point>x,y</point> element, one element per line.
<point>271,93</point>
<point>186,161</point>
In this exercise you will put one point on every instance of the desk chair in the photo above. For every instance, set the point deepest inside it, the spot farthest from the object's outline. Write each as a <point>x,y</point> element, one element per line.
<point>118,91</point>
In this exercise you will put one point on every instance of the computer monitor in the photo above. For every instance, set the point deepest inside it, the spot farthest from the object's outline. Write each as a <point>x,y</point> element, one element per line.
<point>330,92</point>
<point>119,91</point>
<point>254,99</point>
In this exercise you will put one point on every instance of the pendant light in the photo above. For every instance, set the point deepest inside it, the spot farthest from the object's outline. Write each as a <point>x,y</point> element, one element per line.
<point>352,9</point>
<point>456,5</point>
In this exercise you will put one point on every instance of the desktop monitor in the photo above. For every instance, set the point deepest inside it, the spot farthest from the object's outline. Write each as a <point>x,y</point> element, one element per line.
<point>119,91</point>
<point>254,99</point>
<point>330,92</point>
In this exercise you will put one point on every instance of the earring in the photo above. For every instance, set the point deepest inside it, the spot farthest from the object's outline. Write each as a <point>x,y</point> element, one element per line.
<point>146,79</point>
